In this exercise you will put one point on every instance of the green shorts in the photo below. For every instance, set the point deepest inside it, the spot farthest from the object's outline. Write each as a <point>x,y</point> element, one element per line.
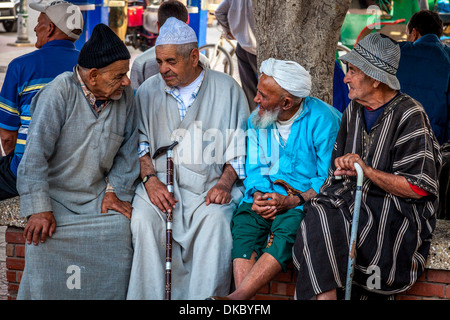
<point>251,232</point>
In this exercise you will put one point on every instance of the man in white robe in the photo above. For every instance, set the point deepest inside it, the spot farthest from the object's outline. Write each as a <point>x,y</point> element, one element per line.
<point>206,112</point>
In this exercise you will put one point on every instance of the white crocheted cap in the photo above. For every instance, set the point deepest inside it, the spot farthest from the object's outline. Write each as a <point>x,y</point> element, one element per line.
<point>174,31</point>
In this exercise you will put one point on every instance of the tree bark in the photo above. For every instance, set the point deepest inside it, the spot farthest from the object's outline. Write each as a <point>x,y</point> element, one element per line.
<point>304,31</point>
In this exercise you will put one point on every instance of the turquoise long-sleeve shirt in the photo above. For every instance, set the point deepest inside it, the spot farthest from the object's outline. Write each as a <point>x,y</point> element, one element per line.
<point>303,161</point>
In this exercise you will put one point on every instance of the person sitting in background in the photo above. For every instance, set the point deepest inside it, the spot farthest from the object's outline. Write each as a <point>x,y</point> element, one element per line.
<point>59,25</point>
<point>145,65</point>
<point>424,70</point>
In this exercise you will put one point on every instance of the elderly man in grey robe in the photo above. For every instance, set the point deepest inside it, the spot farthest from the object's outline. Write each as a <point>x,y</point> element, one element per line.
<point>206,112</point>
<point>77,178</point>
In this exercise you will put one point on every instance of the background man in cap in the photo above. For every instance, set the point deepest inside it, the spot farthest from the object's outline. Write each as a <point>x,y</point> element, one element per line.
<point>237,20</point>
<point>145,65</point>
<point>290,139</point>
<point>59,26</point>
<point>206,112</point>
<point>424,70</point>
<point>388,134</point>
<point>424,74</point>
<point>77,177</point>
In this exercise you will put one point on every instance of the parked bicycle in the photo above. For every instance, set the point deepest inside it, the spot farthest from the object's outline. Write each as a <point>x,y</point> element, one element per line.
<point>220,58</point>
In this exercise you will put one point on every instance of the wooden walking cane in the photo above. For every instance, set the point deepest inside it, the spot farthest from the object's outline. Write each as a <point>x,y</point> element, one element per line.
<point>169,217</point>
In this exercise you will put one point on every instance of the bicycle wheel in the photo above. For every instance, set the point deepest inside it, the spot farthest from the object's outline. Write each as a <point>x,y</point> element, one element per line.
<point>219,58</point>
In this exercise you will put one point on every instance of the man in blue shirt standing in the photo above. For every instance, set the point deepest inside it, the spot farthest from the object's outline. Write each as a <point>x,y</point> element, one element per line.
<point>59,25</point>
<point>424,70</point>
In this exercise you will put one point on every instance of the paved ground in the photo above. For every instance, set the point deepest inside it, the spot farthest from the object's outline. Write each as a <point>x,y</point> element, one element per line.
<point>7,53</point>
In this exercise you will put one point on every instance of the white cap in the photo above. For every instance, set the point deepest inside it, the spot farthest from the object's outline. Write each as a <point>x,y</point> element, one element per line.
<point>290,75</point>
<point>175,31</point>
<point>66,16</point>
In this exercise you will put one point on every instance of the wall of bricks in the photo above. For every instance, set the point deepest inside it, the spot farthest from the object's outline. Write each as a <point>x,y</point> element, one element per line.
<point>15,259</point>
<point>433,284</point>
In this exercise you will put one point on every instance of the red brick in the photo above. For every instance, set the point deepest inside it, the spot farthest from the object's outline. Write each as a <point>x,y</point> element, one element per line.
<point>405,297</point>
<point>441,276</point>
<point>10,249</point>
<point>284,276</point>
<point>19,276</point>
<point>13,288</point>
<point>422,277</point>
<point>15,263</point>
<point>269,297</point>
<point>264,289</point>
<point>14,235</point>
<point>281,288</point>
<point>20,250</point>
<point>426,289</point>
<point>11,276</point>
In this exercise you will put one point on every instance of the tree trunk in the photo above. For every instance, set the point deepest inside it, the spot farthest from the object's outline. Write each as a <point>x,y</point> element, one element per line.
<point>305,31</point>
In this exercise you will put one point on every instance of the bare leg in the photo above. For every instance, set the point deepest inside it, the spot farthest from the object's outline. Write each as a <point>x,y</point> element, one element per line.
<point>241,268</point>
<point>260,274</point>
<point>328,295</point>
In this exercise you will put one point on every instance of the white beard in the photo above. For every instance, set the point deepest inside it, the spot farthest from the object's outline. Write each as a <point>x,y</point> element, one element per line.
<point>266,120</point>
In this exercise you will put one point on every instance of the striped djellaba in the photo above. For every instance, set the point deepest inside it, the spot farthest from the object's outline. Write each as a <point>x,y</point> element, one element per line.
<point>394,233</point>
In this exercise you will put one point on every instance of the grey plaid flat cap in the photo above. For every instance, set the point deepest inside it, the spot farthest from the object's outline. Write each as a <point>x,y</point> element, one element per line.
<point>377,56</point>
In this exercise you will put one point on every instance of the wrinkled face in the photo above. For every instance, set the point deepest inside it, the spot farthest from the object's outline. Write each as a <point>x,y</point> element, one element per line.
<point>360,85</point>
<point>111,80</point>
<point>42,28</point>
<point>269,98</point>
<point>268,95</point>
<point>175,70</point>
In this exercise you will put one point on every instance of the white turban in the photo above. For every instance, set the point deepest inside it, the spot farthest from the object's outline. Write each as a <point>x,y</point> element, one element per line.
<point>174,31</point>
<point>291,76</point>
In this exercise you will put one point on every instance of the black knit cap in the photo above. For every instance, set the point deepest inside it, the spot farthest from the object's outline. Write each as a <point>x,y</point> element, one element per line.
<point>103,48</point>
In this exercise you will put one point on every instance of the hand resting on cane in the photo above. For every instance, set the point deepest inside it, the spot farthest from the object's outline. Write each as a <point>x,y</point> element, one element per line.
<point>392,183</point>
<point>156,190</point>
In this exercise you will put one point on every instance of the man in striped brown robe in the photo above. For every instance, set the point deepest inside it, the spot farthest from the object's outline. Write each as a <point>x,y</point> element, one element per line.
<point>388,134</point>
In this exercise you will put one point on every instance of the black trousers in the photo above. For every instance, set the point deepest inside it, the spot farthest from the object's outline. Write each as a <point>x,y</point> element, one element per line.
<point>248,73</point>
<point>7,179</point>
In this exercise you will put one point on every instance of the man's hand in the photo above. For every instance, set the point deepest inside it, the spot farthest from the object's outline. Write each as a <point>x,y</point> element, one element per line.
<point>268,205</point>
<point>219,194</point>
<point>261,207</point>
<point>111,202</point>
<point>345,165</point>
<point>391,183</point>
<point>41,225</point>
<point>159,195</point>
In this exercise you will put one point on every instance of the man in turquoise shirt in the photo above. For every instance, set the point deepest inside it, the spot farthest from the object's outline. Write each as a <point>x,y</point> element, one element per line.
<point>290,140</point>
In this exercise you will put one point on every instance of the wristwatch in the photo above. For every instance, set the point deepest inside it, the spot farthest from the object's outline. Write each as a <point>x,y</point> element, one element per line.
<point>302,200</point>
<point>147,177</point>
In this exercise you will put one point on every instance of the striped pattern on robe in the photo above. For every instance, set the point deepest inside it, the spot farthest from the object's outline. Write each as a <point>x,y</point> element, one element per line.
<point>394,233</point>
